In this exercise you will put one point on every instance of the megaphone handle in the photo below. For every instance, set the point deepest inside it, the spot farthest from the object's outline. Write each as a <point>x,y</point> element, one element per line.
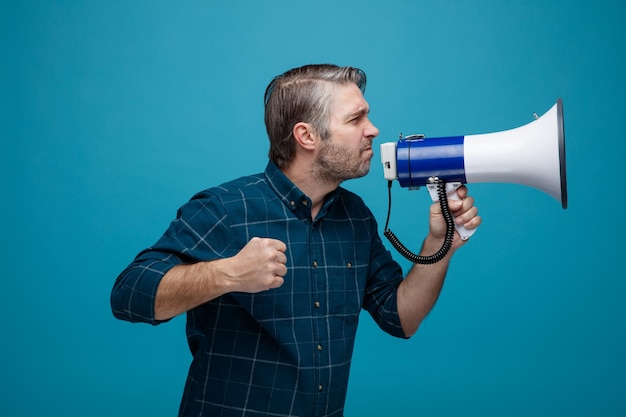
<point>451,188</point>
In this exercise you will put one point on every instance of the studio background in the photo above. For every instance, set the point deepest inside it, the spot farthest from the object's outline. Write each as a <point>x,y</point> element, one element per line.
<point>113,114</point>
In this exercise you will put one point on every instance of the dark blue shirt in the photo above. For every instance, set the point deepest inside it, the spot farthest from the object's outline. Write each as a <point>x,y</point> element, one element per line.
<point>283,352</point>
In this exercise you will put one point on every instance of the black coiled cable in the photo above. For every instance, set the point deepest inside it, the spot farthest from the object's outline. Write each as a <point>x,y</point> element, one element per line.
<point>447,244</point>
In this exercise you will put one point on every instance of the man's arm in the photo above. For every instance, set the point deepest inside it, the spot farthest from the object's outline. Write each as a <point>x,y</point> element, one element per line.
<point>421,287</point>
<point>259,266</point>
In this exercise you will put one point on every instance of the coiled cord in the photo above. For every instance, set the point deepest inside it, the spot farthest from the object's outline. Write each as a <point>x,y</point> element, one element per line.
<point>447,244</point>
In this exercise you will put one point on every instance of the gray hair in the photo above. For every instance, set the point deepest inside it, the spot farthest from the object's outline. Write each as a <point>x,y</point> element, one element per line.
<point>303,94</point>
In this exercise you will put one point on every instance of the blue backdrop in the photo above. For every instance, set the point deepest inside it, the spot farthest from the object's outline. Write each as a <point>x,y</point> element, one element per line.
<point>114,113</point>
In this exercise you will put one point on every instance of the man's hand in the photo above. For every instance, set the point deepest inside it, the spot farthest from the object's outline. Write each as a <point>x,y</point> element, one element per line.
<point>463,211</point>
<point>259,266</point>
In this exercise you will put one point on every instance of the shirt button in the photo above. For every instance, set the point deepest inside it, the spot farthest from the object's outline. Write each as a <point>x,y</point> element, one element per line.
<point>293,203</point>
<point>320,387</point>
<point>306,203</point>
<point>317,304</point>
<point>319,347</point>
<point>349,264</point>
<point>314,264</point>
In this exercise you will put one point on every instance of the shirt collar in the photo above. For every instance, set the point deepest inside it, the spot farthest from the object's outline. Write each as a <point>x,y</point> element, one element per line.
<point>291,195</point>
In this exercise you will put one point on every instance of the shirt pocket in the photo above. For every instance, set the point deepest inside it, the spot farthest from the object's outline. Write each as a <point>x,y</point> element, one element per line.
<point>347,288</point>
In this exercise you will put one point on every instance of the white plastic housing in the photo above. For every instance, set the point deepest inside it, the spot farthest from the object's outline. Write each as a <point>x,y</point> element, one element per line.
<point>388,158</point>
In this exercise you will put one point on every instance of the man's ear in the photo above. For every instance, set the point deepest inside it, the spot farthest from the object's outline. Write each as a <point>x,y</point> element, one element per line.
<point>305,135</point>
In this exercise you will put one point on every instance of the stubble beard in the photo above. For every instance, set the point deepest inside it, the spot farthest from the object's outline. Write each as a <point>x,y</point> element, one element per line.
<point>335,164</point>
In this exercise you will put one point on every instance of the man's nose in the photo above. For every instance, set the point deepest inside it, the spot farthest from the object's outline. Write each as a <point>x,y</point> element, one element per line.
<point>372,131</point>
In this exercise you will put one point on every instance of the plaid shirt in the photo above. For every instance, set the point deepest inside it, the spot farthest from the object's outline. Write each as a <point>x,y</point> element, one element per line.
<point>286,351</point>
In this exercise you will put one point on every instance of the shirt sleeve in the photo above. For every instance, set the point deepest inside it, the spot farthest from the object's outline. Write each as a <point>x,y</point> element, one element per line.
<point>200,232</point>
<point>381,293</point>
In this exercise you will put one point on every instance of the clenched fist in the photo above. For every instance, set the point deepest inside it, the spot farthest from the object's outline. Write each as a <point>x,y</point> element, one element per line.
<point>259,266</point>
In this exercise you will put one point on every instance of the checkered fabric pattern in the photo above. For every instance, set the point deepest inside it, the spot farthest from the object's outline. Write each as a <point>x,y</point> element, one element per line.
<point>283,352</point>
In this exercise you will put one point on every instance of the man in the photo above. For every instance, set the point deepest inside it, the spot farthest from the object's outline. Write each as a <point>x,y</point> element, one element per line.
<point>273,269</point>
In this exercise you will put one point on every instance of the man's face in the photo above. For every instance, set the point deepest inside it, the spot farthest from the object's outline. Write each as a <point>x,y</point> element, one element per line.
<point>348,151</point>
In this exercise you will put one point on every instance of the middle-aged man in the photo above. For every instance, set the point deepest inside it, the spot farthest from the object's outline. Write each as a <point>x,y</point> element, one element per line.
<point>273,269</point>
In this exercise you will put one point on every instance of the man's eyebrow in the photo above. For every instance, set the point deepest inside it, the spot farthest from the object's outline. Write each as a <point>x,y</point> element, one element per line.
<point>361,111</point>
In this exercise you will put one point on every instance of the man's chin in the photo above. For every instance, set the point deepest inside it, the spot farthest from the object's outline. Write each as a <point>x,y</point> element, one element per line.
<point>365,169</point>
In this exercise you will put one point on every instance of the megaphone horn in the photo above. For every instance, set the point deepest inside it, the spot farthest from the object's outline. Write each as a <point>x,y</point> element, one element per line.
<point>532,155</point>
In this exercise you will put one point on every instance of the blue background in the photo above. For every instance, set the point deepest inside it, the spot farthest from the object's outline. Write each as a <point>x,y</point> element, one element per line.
<point>114,113</point>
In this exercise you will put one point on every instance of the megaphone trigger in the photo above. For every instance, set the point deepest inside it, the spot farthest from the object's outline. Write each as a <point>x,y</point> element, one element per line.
<point>451,188</point>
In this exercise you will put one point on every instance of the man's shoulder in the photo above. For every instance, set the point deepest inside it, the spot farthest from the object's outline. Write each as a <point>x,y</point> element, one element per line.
<point>353,204</point>
<point>350,196</point>
<point>234,187</point>
<point>241,183</point>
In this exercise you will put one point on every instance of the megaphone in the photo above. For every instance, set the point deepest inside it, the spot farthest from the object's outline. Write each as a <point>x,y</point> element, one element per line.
<point>532,155</point>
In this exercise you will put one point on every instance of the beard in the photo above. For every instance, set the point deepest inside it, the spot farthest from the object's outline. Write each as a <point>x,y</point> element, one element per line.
<point>335,164</point>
